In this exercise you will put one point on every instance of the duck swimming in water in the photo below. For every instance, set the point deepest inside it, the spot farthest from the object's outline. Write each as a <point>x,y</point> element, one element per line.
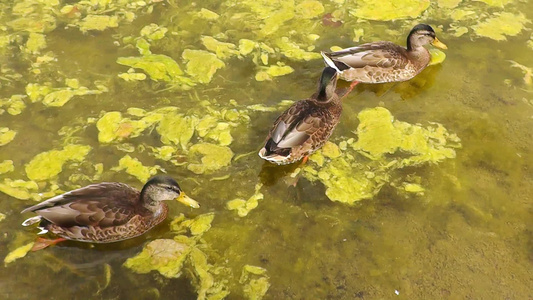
<point>380,62</point>
<point>106,212</point>
<point>305,126</point>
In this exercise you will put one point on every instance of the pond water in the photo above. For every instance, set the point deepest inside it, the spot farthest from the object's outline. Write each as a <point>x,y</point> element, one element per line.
<point>90,91</point>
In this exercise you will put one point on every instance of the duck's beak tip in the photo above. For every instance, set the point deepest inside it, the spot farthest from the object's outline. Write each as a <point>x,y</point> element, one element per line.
<point>183,198</point>
<point>437,43</point>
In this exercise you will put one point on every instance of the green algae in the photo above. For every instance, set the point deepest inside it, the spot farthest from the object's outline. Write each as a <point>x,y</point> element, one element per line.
<point>36,42</point>
<point>98,22</point>
<point>502,25</point>
<point>6,166</point>
<point>293,51</point>
<point>113,127</point>
<point>498,3</point>
<point>273,71</point>
<point>207,14</point>
<point>177,129</point>
<point>195,227</point>
<point>255,282</point>
<point>243,207</point>
<point>448,3</point>
<point>202,65</point>
<point>153,32</point>
<point>163,255</point>
<point>56,97</point>
<point>222,50</point>
<point>204,280</point>
<point>164,152</point>
<point>19,189</point>
<point>389,9</point>
<point>48,165</point>
<point>213,158</point>
<point>135,168</point>
<point>158,66</point>
<point>6,135</point>
<point>357,170</point>
<point>20,252</point>
<point>437,56</point>
<point>528,72</point>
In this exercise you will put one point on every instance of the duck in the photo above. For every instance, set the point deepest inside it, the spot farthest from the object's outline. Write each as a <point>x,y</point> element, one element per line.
<point>380,62</point>
<point>105,212</point>
<point>305,126</point>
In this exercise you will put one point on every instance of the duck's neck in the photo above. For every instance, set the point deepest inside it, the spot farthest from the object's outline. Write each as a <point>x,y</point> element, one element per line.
<point>419,56</point>
<point>149,203</point>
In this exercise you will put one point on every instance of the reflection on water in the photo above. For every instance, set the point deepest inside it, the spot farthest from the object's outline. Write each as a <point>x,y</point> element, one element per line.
<point>224,67</point>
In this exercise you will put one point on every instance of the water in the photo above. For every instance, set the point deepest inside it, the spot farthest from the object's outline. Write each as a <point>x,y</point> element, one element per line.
<point>468,235</point>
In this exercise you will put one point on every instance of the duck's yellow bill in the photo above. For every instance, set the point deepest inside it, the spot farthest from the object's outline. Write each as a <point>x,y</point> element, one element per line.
<point>187,200</point>
<point>439,44</point>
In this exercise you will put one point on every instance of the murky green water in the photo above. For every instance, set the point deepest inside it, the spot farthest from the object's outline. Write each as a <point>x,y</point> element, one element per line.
<point>468,235</point>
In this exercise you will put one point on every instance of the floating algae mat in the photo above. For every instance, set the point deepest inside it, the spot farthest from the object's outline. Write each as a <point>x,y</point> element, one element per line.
<point>431,174</point>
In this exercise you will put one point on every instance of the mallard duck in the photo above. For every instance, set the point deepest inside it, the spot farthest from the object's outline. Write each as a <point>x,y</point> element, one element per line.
<point>106,212</point>
<point>305,126</point>
<point>380,62</point>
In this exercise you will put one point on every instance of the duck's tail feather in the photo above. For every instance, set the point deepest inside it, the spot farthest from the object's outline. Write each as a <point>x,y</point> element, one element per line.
<point>329,61</point>
<point>32,220</point>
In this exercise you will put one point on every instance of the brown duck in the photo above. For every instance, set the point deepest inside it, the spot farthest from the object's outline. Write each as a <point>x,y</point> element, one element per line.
<point>106,212</point>
<point>379,62</point>
<point>306,125</point>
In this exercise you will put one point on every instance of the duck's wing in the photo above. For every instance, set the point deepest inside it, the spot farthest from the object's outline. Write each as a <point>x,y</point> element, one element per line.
<point>103,204</point>
<point>293,128</point>
<point>377,54</point>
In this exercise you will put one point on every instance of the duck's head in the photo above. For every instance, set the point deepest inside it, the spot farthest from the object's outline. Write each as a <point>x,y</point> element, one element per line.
<point>421,35</point>
<point>162,187</point>
<point>327,84</point>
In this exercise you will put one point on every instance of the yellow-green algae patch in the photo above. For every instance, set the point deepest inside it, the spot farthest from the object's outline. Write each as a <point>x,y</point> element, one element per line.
<point>437,56</point>
<point>113,127</point>
<point>448,3</point>
<point>196,226</point>
<point>2,217</point>
<point>388,10</point>
<point>153,32</point>
<point>177,129</point>
<point>158,66</point>
<point>213,157</point>
<point>14,105</point>
<point>48,165</point>
<point>207,14</point>
<point>19,189</point>
<point>163,255</point>
<point>255,282</point>
<point>6,166</point>
<point>243,207</point>
<point>20,252</point>
<point>202,65</point>
<point>221,49</point>
<point>135,168</point>
<point>499,3</point>
<point>6,135</point>
<point>273,71</point>
<point>357,170</point>
<point>56,97</point>
<point>502,25</point>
